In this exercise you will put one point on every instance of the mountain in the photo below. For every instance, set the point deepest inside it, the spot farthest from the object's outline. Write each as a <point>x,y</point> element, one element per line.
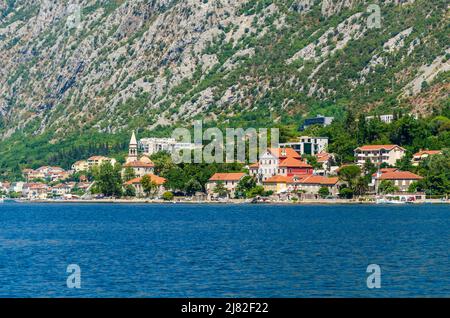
<point>77,68</point>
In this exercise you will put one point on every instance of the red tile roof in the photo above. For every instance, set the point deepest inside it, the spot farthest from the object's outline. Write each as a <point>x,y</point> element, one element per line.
<point>156,179</point>
<point>385,170</point>
<point>139,164</point>
<point>277,179</point>
<point>294,163</point>
<point>428,152</point>
<point>236,176</point>
<point>98,158</point>
<point>323,157</point>
<point>284,153</point>
<point>377,147</point>
<point>320,180</point>
<point>400,175</point>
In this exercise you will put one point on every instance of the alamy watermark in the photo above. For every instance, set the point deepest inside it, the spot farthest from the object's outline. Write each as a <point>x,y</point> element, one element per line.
<point>235,145</point>
<point>74,279</point>
<point>374,19</point>
<point>73,16</point>
<point>374,279</point>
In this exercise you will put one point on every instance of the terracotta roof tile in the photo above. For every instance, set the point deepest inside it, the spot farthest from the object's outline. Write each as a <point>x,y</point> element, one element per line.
<point>236,176</point>
<point>156,179</point>
<point>284,153</point>
<point>377,147</point>
<point>139,164</point>
<point>428,152</point>
<point>294,163</point>
<point>400,175</point>
<point>320,180</point>
<point>277,179</point>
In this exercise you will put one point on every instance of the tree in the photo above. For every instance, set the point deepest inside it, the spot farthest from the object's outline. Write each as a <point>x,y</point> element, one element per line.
<point>148,185</point>
<point>168,196</point>
<point>387,186</point>
<point>362,129</point>
<point>346,193</point>
<point>369,168</point>
<point>256,191</point>
<point>312,160</point>
<point>436,172</point>
<point>349,174</point>
<point>361,186</point>
<point>220,189</point>
<point>130,191</point>
<point>108,179</point>
<point>405,163</point>
<point>193,186</point>
<point>176,179</point>
<point>163,162</point>
<point>128,174</point>
<point>324,192</point>
<point>414,187</point>
<point>244,186</point>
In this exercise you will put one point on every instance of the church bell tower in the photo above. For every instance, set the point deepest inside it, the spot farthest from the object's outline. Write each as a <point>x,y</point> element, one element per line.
<point>133,149</point>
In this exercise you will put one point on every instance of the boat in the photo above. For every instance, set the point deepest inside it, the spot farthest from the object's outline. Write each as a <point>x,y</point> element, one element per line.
<point>2,200</point>
<point>386,201</point>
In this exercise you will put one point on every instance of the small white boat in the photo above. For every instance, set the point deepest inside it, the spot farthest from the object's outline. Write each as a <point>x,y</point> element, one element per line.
<point>2,200</point>
<point>385,201</point>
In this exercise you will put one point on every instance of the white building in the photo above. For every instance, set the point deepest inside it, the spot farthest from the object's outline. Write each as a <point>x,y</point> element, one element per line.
<point>80,166</point>
<point>61,189</point>
<point>229,181</point>
<point>378,154</point>
<point>387,119</point>
<point>17,186</point>
<point>279,161</point>
<point>308,145</point>
<point>150,146</point>
<point>96,161</point>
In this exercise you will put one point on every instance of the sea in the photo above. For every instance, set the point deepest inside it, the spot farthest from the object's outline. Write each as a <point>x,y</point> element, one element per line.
<point>224,250</point>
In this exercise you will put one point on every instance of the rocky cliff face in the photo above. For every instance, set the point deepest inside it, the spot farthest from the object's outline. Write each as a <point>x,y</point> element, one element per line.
<point>72,66</point>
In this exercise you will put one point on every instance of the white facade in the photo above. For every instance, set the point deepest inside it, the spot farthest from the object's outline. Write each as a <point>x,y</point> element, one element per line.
<point>16,186</point>
<point>388,154</point>
<point>268,166</point>
<point>308,145</point>
<point>387,119</point>
<point>150,146</point>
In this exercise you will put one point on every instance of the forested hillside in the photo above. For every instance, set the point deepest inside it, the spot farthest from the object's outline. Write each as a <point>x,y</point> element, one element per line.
<point>77,76</point>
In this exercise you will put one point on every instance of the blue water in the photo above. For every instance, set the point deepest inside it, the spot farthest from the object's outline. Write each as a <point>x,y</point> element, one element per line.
<point>224,251</point>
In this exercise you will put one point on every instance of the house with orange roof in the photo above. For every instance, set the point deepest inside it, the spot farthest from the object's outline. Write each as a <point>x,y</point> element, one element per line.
<point>137,185</point>
<point>229,181</point>
<point>279,161</point>
<point>424,154</point>
<point>378,154</point>
<point>140,168</point>
<point>35,191</point>
<point>96,161</point>
<point>276,184</point>
<point>312,184</point>
<point>401,179</point>
<point>46,173</point>
<point>328,165</point>
<point>309,184</point>
<point>61,189</point>
<point>81,165</point>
